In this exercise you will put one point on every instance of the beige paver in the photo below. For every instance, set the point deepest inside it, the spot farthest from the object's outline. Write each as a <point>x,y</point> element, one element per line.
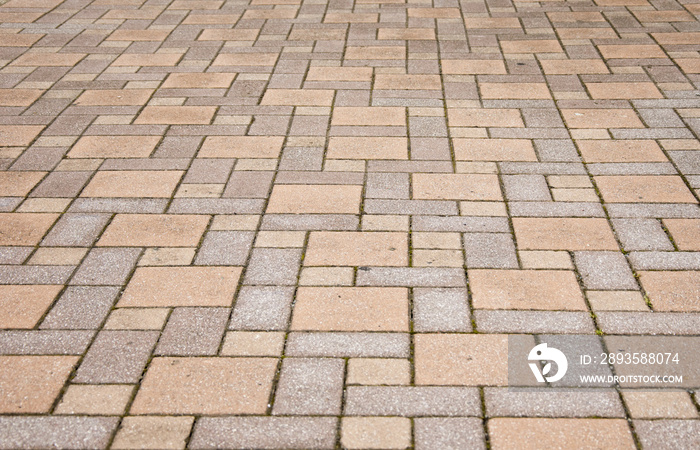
<point>206,386</point>
<point>181,286</point>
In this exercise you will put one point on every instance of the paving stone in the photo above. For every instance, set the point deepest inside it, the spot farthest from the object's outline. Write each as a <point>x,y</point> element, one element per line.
<point>137,319</point>
<point>252,343</point>
<point>44,342</point>
<point>563,234</point>
<point>47,275</point>
<point>181,286</point>
<point>455,187</point>
<point>542,161</point>
<point>357,249</point>
<point>685,233</point>
<point>672,291</point>
<point>661,433</point>
<point>154,230</point>
<point>24,229</point>
<point>76,230</point>
<point>153,432</point>
<point>120,205</point>
<point>440,310</point>
<point>95,399</point>
<point>379,371</point>
<point>265,432</point>
<point>563,322</point>
<point>224,248</point>
<point>505,432</point>
<point>106,266</point>
<point>153,184</point>
<point>412,401</point>
<point>658,404</point>
<point>604,270</point>
<point>375,432</point>
<point>81,308</point>
<point>641,234</point>
<point>525,289</point>
<point>14,255</point>
<point>348,345</point>
<point>318,199</point>
<point>350,309</point>
<point>30,384</point>
<point>56,431</point>
<point>644,323</point>
<point>193,331</point>
<point>490,250</point>
<point>452,359</point>
<point>448,433</point>
<point>526,188</point>
<point>502,402</point>
<point>286,262</point>
<point>116,357</point>
<point>222,386</point>
<point>460,224</point>
<point>664,260</point>
<point>644,189</point>
<point>310,387</point>
<point>262,308</point>
<point>410,276</point>
<point>24,306</point>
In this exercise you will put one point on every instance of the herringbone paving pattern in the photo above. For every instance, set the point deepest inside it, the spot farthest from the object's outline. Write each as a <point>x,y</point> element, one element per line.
<point>315,223</point>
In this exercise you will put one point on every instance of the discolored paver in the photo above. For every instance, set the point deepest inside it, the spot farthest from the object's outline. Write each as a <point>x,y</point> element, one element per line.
<point>311,224</point>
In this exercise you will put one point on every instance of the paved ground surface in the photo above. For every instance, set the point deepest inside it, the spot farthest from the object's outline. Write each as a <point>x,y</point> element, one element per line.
<point>314,224</point>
